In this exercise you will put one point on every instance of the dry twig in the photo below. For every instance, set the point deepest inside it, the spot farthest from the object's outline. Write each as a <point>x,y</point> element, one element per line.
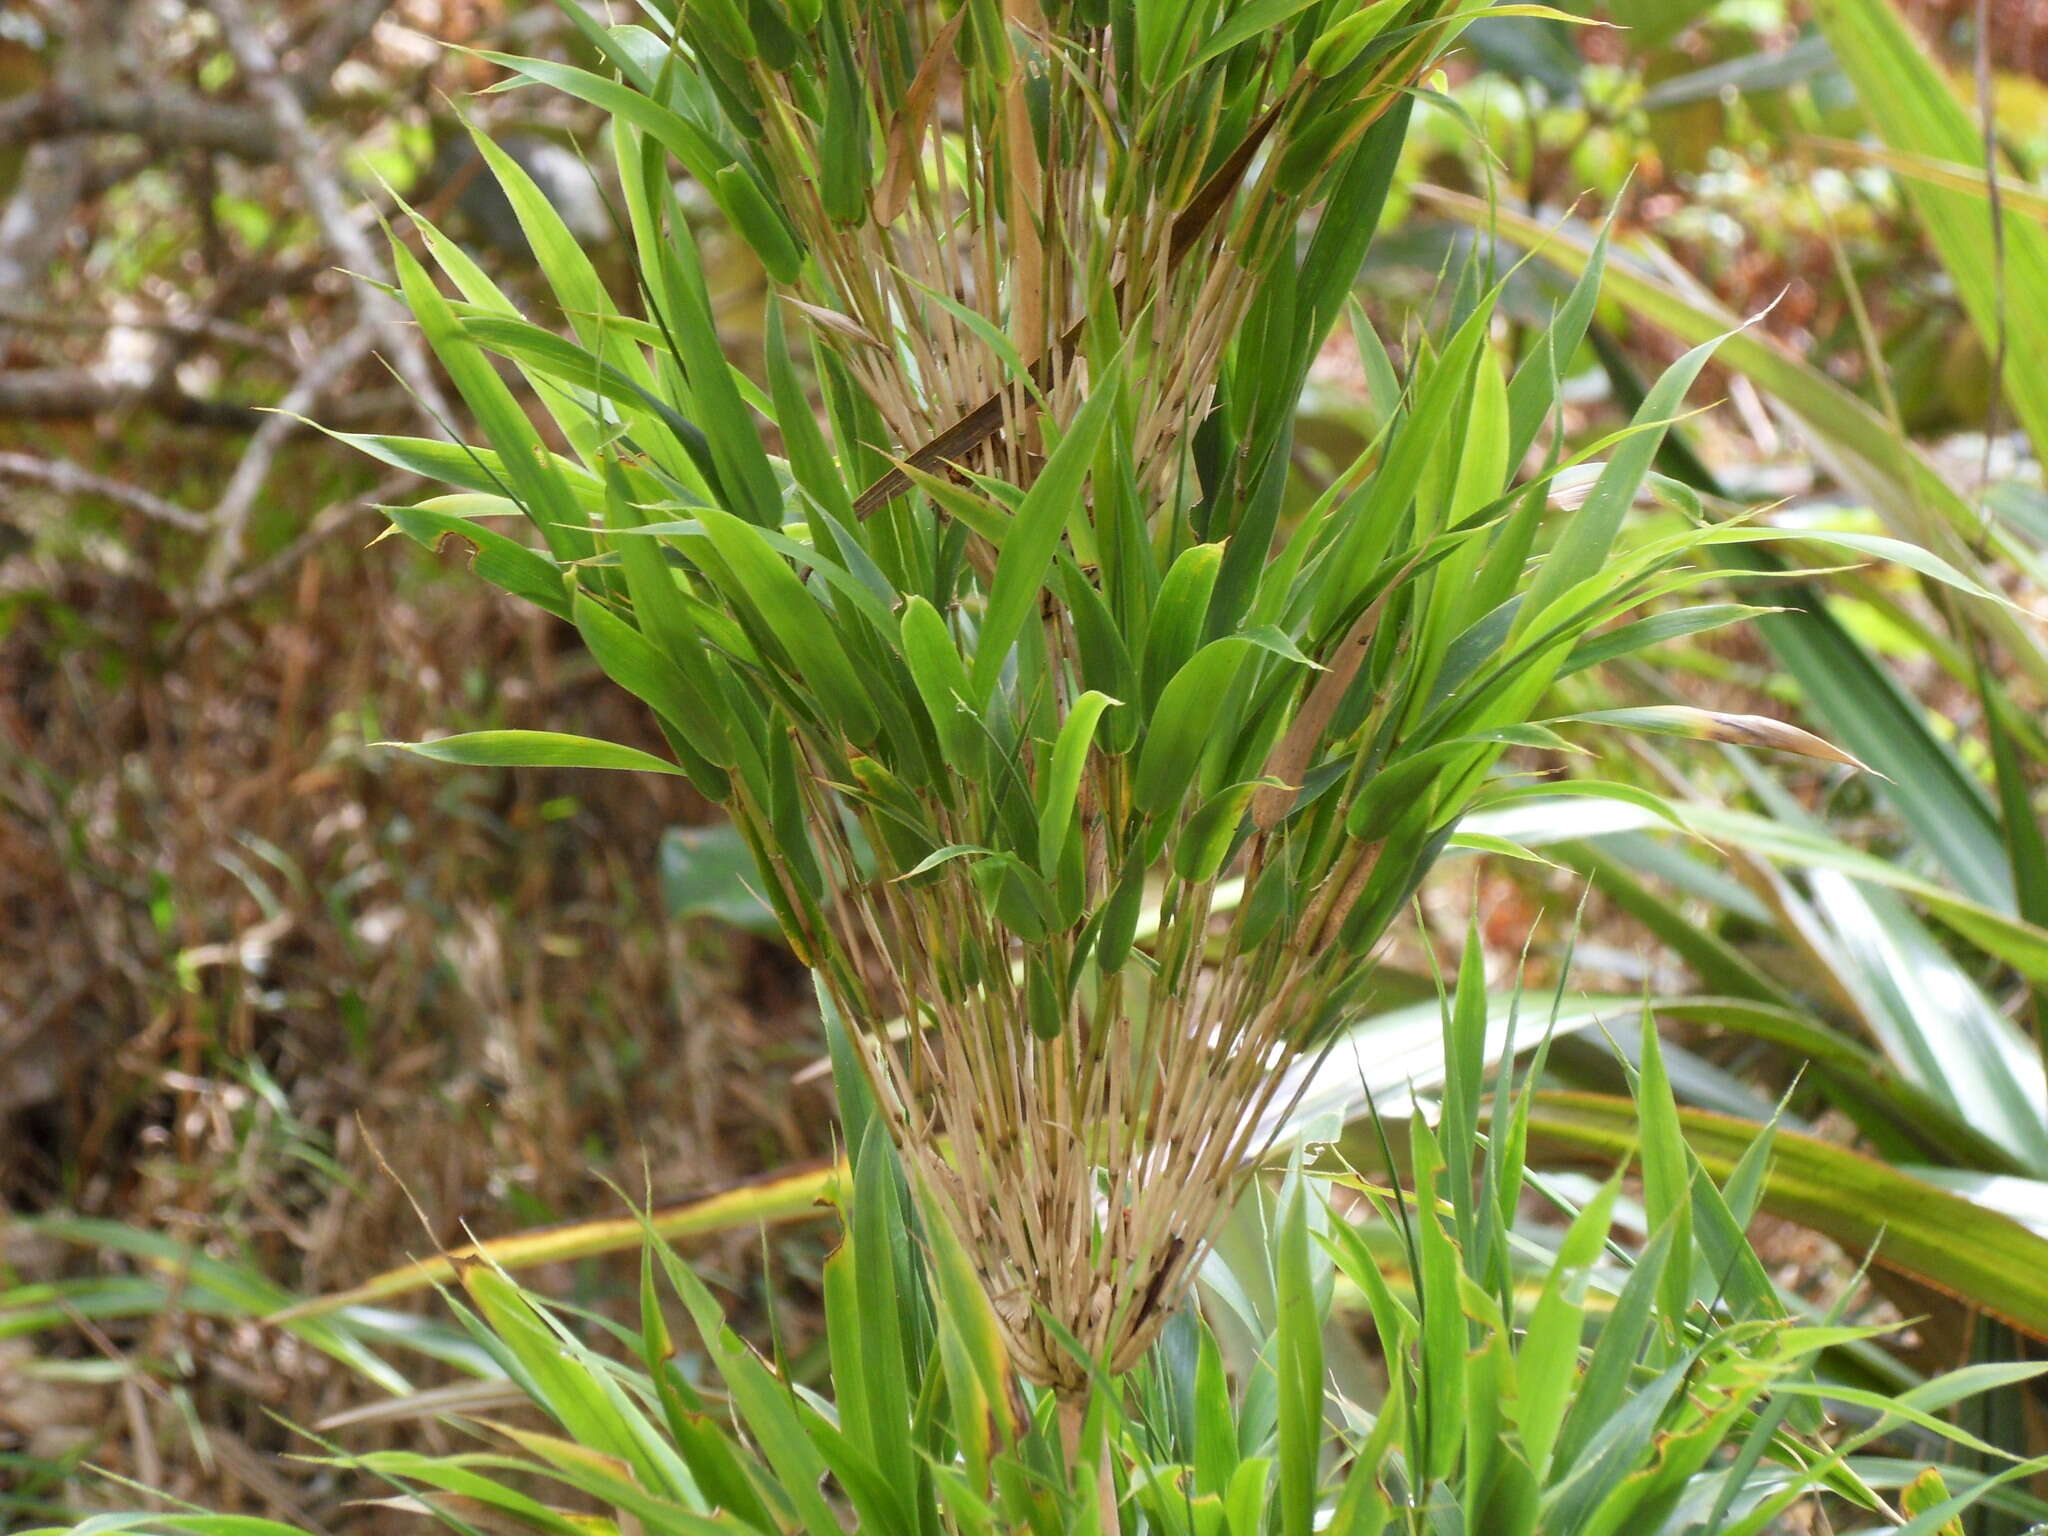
<point>306,156</point>
<point>64,476</point>
<point>265,574</point>
<point>230,519</point>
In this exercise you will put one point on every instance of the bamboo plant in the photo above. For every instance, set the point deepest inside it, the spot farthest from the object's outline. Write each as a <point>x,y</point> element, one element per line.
<point>1056,727</point>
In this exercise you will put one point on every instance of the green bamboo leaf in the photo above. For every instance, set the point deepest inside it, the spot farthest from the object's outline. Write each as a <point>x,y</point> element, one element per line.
<point>529,478</point>
<point>1909,491</point>
<point>1105,659</point>
<point>888,1301</point>
<point>470,468</point>
<point>546,357</point>
<point>1180,727</point>
<point>634,51</point>
<point>1611,1373</point>
<point>757,222</point>
<point>763,1402</point>
<point>481,296</point>
<point>1440,1309</point>
<point>696,351</point>
<point>572,278</point>
<point>1119,918</point>
<point>505,563</point>
<point>847,170</point>
<point>1062,785</point>
<point>1739,1279</point>
<point>451,1476</point>
<point>1533,394</point>
<point>1896,551</point>
<point>941,681</point>
<point>1667,1171</point>
<point>636,664</point>
<point>963,1308</point>
<point>1583,546</point>
<point>1179,614</point>
<point>663,613</point>
<point>1205,842</point>
<point>1464,1085</point>
<point>1259,18</point>
<point>1034,536</point>
<point>610,1434</point>
<point>700,154</point>
<point>1347,37</point>
<point>608,1480</point>
<point>1910,1227</point>
<point>1657,629</point>
<point>722,24</point>
<point>810,460</point>
<point>1298,1363</point>
<point>1547,1365</point>
<point>533,749</point>
<point>1360,549</point>
<point>762,580</point>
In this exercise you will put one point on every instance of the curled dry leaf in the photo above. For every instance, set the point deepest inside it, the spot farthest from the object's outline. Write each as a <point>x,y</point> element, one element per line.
<point>1716,725</point>
<point>913,118</point>
<point>838,324</point>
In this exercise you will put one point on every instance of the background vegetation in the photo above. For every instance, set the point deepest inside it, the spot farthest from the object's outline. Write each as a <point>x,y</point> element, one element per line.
<point>251,961</point>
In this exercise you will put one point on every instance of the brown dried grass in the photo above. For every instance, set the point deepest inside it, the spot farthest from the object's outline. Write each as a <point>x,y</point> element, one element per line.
<point>205,876</point>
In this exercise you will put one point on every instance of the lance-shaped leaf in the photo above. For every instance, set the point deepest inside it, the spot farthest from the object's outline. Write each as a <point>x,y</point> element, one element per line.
<point>1062,787</point>
<point>1034,535</point>
<point>1910,1228</point>
<point>762,580</point>
<point>534,749</point>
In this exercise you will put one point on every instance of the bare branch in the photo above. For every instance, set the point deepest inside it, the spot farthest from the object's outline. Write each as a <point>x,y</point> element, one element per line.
<point>163,116</point>
<point>32,224</point>
<point>238,500</point>
<point>308,160</point>
<point>68,392</point>
<point>267,573</point>
<point>190,327</point>
<point>69,479</point>
<point>168,116</point>
<point>340,34</point>
<point>53,176</point>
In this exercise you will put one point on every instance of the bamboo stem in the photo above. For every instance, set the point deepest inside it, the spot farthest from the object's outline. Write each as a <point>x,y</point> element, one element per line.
<point>1073,1413</point>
